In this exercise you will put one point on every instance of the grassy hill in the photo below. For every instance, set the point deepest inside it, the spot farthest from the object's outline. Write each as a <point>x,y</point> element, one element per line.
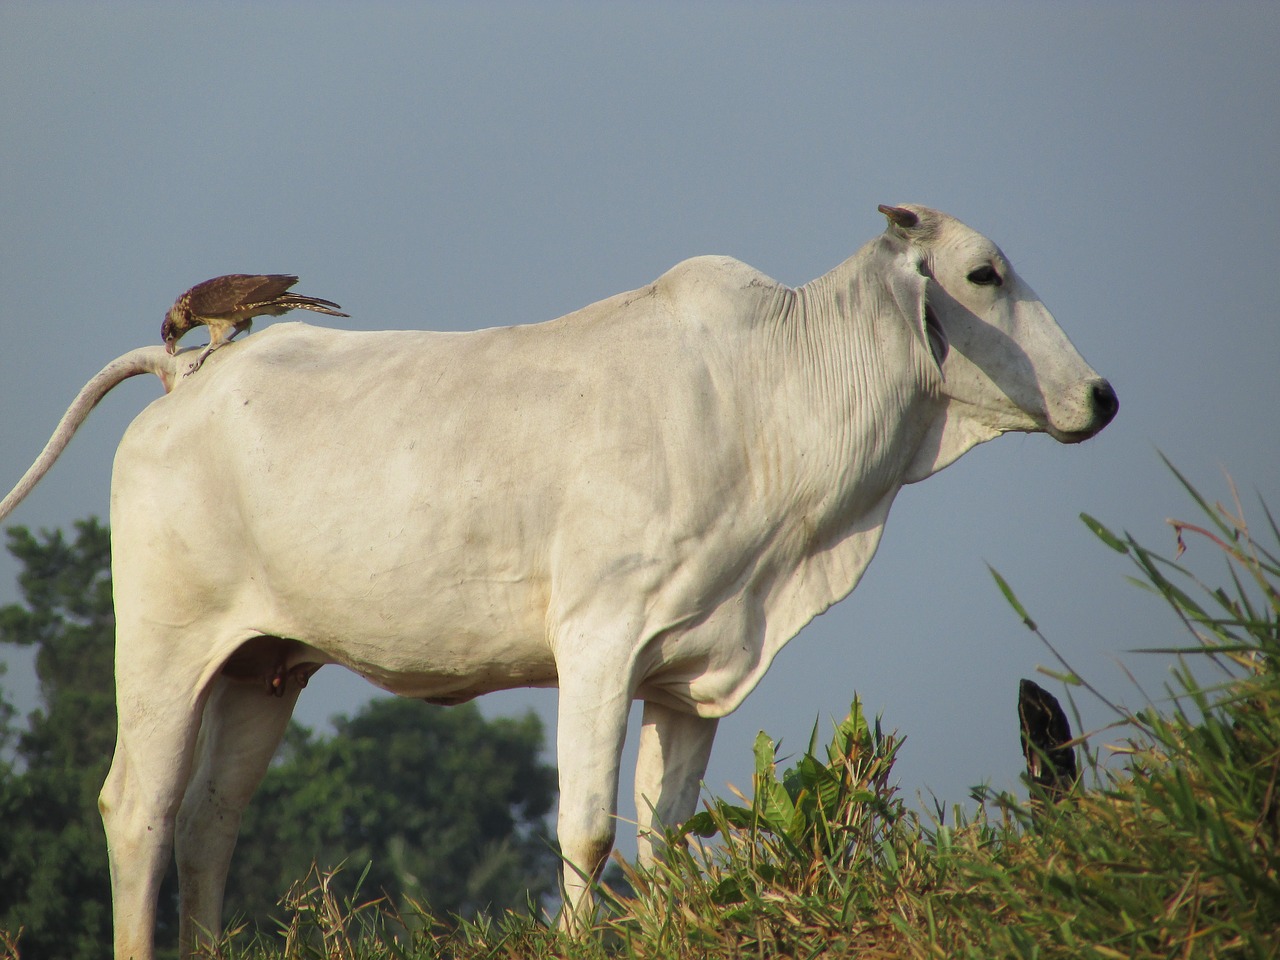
<point>1176,854</point>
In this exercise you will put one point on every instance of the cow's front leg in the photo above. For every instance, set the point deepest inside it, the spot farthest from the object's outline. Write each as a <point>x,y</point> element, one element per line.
<point>674,749</point>
<point>591,726</point>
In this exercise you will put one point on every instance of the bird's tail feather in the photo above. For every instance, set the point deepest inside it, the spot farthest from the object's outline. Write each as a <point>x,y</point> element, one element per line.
<point>295,301</point>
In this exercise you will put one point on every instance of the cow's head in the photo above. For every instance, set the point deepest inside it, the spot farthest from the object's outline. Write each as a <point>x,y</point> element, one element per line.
<point>1005,363</point>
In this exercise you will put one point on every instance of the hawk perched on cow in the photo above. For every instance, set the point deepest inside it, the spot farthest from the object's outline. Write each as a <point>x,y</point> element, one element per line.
<point>228,304</point>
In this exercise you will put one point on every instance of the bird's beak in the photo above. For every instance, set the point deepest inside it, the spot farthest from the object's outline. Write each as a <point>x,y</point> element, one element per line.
<point>170,347</point>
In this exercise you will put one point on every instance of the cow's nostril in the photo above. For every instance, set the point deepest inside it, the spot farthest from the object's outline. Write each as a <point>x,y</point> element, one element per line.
<point>1105,402</point>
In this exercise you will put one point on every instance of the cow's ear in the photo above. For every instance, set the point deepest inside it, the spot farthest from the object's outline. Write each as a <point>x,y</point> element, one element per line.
<point>919,226</point>
<point>900,217</point>
<point>908,283</point>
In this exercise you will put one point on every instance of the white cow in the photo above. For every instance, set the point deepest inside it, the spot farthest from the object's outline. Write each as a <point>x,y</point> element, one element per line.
<point>644,499</point>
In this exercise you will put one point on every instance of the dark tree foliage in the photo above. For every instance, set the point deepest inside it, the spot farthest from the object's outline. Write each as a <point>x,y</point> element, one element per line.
<point>450,808</point>
<point>53,858</point>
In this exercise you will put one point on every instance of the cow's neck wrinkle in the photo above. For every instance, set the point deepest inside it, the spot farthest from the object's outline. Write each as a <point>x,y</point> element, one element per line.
<point>849,391</point>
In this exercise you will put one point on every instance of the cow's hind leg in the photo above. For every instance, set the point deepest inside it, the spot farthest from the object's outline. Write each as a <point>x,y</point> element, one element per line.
<point>674,749</point>
<point>158,714</point>
<point>244,721</point>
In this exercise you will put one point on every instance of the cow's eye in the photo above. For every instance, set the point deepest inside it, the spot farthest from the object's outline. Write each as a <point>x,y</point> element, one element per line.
<point>986,276</point>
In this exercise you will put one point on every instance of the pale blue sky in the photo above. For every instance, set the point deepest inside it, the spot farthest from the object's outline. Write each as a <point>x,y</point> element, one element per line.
<point>464,165</point>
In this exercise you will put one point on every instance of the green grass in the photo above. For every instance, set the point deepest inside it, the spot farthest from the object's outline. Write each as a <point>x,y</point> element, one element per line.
<point>1176,854</point>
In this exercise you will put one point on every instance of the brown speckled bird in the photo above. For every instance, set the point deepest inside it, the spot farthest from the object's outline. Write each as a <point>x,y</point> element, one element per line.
<point>227,306</point>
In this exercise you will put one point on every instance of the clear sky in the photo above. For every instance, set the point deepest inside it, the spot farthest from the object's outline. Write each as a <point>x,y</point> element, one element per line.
<point>454,166</point>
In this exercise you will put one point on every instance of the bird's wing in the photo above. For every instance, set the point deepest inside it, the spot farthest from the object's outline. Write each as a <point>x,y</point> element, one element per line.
<point>223,296</point>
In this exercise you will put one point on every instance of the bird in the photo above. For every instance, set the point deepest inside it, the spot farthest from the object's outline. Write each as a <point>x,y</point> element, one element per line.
<point>228,304</point>
<point>1047,743</point>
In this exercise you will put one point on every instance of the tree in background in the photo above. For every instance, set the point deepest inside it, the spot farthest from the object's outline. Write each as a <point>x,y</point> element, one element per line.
<point>449,807</point>
<point>53,855</point>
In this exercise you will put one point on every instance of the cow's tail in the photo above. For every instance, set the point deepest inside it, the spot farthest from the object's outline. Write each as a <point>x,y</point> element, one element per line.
<point>143,360</point>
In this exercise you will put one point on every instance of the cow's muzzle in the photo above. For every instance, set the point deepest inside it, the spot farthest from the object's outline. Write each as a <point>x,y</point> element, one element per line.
<point>1099,407</point>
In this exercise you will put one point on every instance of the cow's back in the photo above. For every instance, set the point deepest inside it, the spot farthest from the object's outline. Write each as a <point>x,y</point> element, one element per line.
<point>307,478</point>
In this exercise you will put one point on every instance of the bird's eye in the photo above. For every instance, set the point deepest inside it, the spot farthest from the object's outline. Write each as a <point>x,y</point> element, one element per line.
<point>986,276</point>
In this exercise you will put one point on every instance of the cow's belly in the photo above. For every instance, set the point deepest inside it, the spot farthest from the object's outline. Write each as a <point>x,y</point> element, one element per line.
<point>444,673</point>
<point>435,638</point>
